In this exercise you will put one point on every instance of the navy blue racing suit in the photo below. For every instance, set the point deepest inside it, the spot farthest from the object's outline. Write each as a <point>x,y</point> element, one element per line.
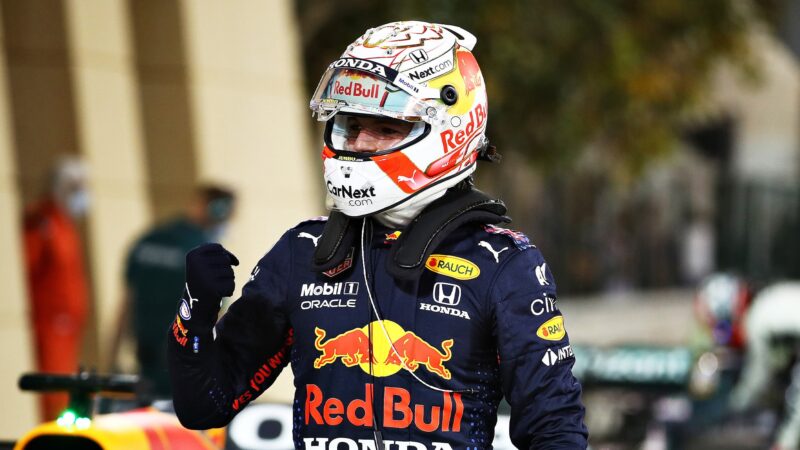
<point>427,370</point>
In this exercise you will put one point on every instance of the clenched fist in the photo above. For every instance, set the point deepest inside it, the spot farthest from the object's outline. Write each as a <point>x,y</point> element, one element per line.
<point>209,277</point>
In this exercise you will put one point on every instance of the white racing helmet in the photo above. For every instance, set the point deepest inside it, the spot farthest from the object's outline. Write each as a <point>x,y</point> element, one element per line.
<point>415,72</point>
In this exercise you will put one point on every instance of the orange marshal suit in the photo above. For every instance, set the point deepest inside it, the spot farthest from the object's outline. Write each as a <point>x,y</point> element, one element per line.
<point>58,291</point>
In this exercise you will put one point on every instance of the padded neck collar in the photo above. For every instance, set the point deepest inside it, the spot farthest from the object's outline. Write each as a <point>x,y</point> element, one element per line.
<point>460,205</point>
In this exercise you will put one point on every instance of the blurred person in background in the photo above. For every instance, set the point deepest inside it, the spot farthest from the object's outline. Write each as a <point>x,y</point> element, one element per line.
<point>56,275</point>
<point>772,329</point>
<point>720,305</point>
<point>406,313</point>
<point>154,276</point>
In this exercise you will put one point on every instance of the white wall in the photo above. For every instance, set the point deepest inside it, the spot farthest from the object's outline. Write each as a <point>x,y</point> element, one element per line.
<point>250,111</point>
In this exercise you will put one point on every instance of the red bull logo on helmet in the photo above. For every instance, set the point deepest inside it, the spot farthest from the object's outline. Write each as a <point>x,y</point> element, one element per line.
<point>469,70</point>
<point>404,349</point>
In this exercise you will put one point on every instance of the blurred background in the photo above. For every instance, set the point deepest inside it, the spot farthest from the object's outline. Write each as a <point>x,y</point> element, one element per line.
<point>647,145</point>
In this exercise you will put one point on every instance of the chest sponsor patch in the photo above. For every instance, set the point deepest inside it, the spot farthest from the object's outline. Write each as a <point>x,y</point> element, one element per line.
<point>552,330</point>
<point>452,266</point>
<point>184,310</point>
<point>551,357</point>
<point>342,267</point>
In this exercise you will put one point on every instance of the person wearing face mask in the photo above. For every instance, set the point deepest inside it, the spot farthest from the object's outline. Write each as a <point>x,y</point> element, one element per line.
<point>154,274</point>
<point>56,275</point>
<point>406,314</point>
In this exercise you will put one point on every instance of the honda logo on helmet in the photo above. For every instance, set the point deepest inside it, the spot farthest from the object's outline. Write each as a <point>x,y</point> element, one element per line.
<point>446,293</point>
<point>419,56</point>
<point>366,66</point>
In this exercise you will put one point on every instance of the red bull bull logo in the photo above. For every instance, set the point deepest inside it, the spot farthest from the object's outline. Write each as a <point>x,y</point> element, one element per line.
<point>404,350</point>
<point>469,70</point>
<point>410,350</point>
<point>351,346</point>
<point>179,332</point>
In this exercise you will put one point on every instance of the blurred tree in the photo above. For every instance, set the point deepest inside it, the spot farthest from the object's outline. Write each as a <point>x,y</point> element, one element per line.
<point>619,74</point>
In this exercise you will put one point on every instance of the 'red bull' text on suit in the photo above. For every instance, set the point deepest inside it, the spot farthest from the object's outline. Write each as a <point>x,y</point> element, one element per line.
<point>426,370</point>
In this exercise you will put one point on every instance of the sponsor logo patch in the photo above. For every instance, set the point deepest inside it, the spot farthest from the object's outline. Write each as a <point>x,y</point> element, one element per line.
<point>552,330</point>
<point>184,310</point>
<point>179,332</point>
<point>405,349</point>
<point>419,56</point>
<point>452,140</point>
<point>353,89</point>
<point>444,310</point>
<point>340,289</point>
<point>395,235</point>
<point>313,238</point>
<point>447,294</point>
<point>182,329</point>
<point>319,289</point>
<point>551,357</point>
<point>341,443</point>
<point>366,66</point>
<point>491,249</point>
<point>332,303</point>
<point>540,306</point>
<point>541,274</point>
<point>350,191</point>
<point>438,66</point>
<point>357,196</point>
<point>342,267</point>
<point>452,266</point>
<point>399,410</point>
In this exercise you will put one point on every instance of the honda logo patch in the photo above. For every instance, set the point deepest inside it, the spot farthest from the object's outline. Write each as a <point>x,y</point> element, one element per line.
<point>419,56</point>
<point>446,294</point>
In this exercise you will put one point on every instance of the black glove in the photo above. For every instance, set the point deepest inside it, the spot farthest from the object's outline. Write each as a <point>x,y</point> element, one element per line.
<point>209,277</point>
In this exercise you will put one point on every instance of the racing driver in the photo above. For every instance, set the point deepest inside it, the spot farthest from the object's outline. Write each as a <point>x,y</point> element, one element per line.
<point>407,313</point>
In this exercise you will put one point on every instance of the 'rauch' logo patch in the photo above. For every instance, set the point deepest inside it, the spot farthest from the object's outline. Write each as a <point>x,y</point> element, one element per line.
<point>552,330</point>
<point>452,266</point>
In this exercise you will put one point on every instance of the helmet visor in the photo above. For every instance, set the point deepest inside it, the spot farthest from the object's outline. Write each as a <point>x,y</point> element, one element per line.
<point>372,134</point>
<point>360,91</point>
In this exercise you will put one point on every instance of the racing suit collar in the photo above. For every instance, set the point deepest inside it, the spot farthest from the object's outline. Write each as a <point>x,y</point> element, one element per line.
<point>460,205</point>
